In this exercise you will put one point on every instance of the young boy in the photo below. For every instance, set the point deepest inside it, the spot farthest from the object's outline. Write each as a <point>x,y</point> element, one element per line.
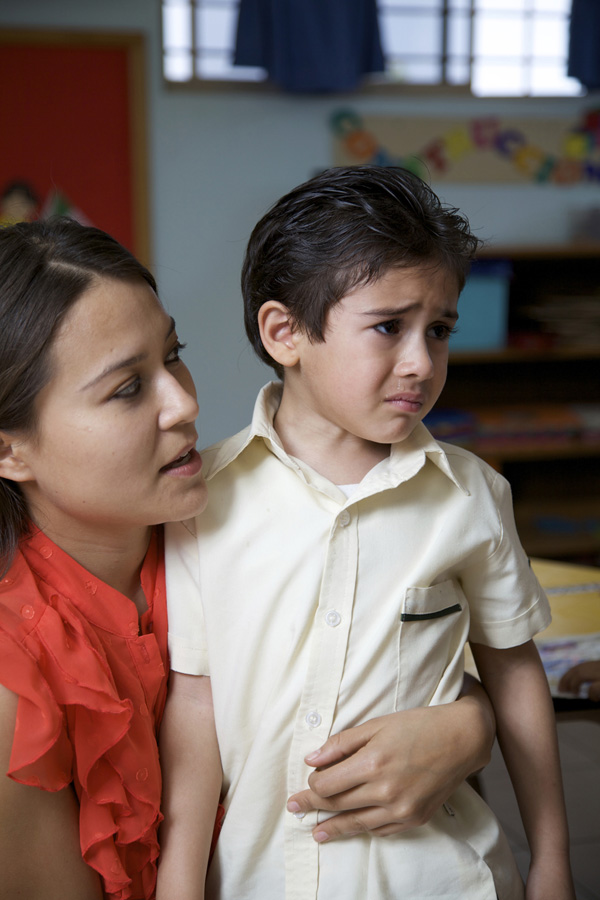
<point>344,560</point>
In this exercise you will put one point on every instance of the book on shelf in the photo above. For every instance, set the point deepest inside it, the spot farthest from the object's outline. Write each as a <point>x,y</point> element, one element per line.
<point>527,423</point>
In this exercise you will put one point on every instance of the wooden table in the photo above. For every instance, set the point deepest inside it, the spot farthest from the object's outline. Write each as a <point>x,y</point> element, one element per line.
<point>574,595</point>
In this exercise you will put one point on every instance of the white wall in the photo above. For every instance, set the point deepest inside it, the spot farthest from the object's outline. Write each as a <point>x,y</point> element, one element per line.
<point>218,160</point>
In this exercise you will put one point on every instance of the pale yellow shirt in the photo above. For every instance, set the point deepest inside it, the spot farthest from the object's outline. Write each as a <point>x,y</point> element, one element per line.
<point>313,612</point>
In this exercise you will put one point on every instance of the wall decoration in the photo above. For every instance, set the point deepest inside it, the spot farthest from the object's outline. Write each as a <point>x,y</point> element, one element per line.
<point>486,149</point>
<point>73,127</point>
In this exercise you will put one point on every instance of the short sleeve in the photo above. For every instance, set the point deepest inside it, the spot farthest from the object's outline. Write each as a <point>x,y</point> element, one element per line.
<point>508,606</point>
<point>42,755</point>
<point>188,650</point>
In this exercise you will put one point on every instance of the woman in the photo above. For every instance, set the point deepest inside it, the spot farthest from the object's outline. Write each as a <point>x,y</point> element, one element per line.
<point>97,449</point>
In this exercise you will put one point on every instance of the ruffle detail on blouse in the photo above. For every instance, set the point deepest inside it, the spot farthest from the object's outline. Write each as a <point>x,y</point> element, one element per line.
<point>70,719</point>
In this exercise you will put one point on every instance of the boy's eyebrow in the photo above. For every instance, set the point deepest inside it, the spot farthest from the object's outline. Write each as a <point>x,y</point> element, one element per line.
<point>391,312</point>
<point>126,363</point>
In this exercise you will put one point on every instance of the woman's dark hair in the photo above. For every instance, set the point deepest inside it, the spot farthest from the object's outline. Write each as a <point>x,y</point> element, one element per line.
<point>45,267</point>
<point>343,228</point>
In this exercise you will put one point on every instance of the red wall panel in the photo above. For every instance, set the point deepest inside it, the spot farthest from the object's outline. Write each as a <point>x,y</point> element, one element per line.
<point>65,124</point>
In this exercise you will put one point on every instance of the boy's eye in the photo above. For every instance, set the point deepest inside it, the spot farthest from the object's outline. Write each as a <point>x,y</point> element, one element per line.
<point>391,327</point>
<point>442,332</point>
<point>173,356</point>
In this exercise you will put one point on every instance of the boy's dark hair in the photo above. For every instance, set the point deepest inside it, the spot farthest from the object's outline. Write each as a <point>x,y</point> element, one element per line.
<point>346,227</point>
<point>45,267</point>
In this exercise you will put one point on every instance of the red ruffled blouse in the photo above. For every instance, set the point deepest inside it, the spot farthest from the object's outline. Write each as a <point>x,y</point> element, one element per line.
<point>92,685</point>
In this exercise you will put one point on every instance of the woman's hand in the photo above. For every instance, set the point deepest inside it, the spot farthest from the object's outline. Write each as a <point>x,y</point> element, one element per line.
<point>392,773</point>
<point>578,675</point>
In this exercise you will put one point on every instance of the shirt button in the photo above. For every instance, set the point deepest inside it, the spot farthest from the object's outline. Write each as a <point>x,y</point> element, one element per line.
<point>46,551</point>
<point>133,628</point>
<point>8,581</point>
<point>333,618</point>
<point>344,518</point>
<point>142,774</point>
<point>91,587</point>
<point>27,611</point>
<point>313,719</point>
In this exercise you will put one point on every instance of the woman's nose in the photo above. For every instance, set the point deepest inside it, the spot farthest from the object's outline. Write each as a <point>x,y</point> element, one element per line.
<point>179,405</point>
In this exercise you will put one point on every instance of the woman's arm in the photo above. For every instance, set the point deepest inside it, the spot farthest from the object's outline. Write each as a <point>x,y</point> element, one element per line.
<point>192,778</point>
<point>40,855</point>
<point>392,773</point>
<point>518,688</point>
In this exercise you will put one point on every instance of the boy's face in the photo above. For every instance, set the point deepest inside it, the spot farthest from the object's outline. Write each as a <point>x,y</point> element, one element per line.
<point>383,363</point>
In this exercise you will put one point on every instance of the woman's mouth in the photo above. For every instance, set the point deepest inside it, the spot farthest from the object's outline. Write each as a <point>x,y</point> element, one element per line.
<point>188,463</point>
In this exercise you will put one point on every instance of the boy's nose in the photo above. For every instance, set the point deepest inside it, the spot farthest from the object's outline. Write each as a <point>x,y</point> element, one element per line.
<point>415,362</point>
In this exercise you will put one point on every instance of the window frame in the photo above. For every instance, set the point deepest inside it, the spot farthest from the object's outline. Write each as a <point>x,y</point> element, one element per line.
<point>378,84</point>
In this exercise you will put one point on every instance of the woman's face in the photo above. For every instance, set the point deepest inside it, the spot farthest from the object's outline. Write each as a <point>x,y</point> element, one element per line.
<point>114,446</point>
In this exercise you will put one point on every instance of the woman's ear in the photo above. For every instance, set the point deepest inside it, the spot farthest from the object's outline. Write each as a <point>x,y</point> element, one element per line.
<point>280,338</point>
<point>12,466</point>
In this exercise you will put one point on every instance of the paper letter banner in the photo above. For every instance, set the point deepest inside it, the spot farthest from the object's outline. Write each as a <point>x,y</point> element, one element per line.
<point>487,149</point>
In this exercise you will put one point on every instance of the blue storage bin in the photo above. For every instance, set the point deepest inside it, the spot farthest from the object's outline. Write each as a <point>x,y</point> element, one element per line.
<point>483,308</point>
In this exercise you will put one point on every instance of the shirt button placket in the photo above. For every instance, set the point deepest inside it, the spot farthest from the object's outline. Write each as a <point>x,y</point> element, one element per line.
<point>321,691</point>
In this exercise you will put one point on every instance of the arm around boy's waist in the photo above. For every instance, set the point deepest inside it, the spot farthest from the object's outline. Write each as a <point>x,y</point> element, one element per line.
<point>392,773</point>
<point>192,778</point>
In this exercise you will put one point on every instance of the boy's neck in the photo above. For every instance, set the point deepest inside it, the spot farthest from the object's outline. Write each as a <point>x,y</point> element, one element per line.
<point>340,457</point>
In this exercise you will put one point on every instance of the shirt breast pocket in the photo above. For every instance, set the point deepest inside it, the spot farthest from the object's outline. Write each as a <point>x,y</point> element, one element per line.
<point>433,628</point>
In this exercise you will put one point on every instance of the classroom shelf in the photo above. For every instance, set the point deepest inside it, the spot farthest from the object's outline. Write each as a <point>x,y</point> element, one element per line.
<point>555,481</point>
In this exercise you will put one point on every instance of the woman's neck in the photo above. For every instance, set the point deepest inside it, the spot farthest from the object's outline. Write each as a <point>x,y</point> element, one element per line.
<point>116,558</point>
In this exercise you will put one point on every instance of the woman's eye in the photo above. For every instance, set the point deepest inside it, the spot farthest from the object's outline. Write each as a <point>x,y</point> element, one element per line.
<point>173,356</point>
<point>391,327</point>
<point>130,390</point>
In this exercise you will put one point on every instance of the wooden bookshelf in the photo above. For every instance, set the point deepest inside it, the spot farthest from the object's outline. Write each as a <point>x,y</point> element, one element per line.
<point>555,481</point>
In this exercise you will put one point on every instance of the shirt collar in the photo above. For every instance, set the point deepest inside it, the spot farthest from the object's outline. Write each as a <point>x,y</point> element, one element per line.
<point>225,452</point>
<point>405,460</point>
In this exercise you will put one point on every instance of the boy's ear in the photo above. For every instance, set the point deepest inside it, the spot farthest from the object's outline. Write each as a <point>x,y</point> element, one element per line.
<point>12,467</point>
<point>280,338</point>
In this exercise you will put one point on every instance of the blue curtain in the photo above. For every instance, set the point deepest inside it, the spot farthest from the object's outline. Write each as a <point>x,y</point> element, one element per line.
<point>584,43</point>
<point>310,46</point>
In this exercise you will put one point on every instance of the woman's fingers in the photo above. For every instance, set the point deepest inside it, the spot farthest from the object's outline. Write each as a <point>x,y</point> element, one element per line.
<point>342,745</point>
<point>371,819</point>
<point>392,773</point>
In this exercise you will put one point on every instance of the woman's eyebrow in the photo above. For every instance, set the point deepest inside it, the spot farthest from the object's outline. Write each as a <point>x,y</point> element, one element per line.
<point>126,363</point>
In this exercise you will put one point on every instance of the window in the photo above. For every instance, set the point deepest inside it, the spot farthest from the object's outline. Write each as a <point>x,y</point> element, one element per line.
<point>497,47</point>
